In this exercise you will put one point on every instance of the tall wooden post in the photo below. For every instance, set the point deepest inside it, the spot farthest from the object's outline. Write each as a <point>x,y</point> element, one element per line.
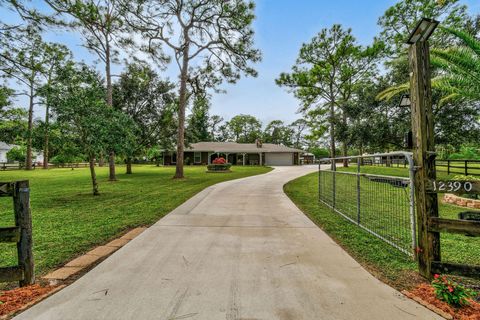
<point>23,220</point>
<point>424,154</point>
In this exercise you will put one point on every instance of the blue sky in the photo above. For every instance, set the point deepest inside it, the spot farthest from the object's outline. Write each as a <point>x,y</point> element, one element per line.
<point>281,27</point>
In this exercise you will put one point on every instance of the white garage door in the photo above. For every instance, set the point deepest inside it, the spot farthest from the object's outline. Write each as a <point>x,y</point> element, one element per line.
<point>279,159</point>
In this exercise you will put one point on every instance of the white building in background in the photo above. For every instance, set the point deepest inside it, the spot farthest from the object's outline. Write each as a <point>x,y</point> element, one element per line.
<point>4,148</point>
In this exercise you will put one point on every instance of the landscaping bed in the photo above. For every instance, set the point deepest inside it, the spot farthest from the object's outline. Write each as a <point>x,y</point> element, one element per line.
<point>15,300</point>
<point>425,295</point>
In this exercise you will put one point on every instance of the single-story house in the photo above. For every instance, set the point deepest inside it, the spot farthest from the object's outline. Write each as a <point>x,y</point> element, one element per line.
<point>258,153</point>
<point>4,148</point>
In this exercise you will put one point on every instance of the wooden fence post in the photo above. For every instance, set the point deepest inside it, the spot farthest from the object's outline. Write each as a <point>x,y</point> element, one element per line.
<point>466,167</point>
<point>23,220</point>
<point>424,154</point>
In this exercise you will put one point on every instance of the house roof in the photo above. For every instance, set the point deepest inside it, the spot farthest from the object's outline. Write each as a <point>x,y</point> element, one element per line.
<point>6,146</point>
<point>234,147</point>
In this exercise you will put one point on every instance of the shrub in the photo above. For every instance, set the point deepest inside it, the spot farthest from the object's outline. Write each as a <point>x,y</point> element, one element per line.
<point>63,158</point>
<point>219,167</point>
<point>466,153</point>
<point>17,154</point>
<point>452,293</point>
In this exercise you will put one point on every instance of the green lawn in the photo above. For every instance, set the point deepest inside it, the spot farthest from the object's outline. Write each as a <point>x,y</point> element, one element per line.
<point>388,263</point>
<point>68,220</point>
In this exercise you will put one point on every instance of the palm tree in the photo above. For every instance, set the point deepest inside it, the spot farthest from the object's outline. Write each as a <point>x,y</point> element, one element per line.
<point>458,71</point>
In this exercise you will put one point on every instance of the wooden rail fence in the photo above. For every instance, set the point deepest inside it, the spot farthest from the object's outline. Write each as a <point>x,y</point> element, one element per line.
<point>21,233</point>
<point>464,167</point>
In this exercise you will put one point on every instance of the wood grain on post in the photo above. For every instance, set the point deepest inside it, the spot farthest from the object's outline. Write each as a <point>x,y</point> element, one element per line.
<point>23,220</point>
<point>424,156</point>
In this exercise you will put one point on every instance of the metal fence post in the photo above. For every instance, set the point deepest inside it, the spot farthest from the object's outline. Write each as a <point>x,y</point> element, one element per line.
<point>466,167</point>
<point>358,190</point>
<point>319,181</point>
<point>334,167</point>
<point>413,221</point>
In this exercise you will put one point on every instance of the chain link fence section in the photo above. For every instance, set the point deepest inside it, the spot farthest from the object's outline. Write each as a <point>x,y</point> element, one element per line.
<point>382,205</point>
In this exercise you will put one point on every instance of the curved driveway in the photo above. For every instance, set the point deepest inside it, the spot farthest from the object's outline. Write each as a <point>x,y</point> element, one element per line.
<point>238,250</point>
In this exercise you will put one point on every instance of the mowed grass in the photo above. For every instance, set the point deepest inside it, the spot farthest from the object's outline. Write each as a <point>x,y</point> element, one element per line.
<point>385,261</point>
<point>68,220</point>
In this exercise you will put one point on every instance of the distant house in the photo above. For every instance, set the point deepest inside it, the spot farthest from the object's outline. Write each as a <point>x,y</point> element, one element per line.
<point>258,153</point>
<point>4,148</point>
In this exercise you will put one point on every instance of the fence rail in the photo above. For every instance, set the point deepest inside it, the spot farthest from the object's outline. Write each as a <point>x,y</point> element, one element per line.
<point>382,205</point>
<point>464,167</point>
<point>21,233</point>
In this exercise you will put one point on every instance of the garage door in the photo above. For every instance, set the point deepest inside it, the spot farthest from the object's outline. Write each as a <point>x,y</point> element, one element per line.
<point>279,159</point>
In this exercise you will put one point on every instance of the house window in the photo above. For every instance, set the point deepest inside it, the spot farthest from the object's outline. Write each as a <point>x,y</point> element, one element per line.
<point>174,158</point>
<point>197,157</point>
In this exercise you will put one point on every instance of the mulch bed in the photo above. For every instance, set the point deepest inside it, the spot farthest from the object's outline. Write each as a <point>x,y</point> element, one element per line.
<point>16,299</point>
<point>427,294</point>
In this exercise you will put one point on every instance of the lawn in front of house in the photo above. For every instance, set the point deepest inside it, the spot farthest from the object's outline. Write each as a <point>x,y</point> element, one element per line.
<point>68,220</point>
<point>386,262</point>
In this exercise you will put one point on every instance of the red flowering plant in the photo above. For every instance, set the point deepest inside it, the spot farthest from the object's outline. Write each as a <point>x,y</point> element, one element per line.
<point>219,161</point>
<point>451,292</point>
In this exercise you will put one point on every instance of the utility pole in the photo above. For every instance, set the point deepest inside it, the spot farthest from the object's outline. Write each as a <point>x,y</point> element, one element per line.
<point>423,144</point>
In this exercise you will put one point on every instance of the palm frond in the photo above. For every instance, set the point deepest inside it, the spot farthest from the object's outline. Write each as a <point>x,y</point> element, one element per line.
<point>466,38</point>
<point>391,92</point>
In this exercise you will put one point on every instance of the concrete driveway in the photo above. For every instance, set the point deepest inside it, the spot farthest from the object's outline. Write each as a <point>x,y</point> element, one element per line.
<point>238,250</point>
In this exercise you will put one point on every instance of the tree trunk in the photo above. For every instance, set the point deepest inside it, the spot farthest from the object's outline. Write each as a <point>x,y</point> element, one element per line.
<point>111,165</point>
<point>28,164</point>
<point>45,147</point>
<point>93,175</point>
<point>181,114</point>
<point>129,166</point>
<point>332,132</point>
<point>101,160</point>
<point>344,144</point>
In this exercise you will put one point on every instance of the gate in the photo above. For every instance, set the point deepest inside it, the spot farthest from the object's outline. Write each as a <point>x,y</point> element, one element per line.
<point>382,205</point>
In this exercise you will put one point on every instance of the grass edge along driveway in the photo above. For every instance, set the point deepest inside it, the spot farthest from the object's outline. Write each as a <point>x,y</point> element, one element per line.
<point>68,221</point>
<point>382,260</point>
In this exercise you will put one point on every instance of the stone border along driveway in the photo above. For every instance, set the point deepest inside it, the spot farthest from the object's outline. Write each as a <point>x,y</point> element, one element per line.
<point>83,262</point>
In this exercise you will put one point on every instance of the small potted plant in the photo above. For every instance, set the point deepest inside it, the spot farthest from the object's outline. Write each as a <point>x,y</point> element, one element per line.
<point>219,165</point>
